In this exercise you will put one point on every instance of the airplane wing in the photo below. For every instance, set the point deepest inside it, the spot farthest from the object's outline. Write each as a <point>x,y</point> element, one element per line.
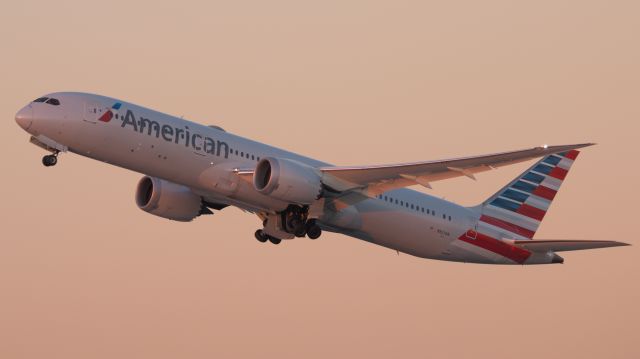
<point>374,180</point>
<point>560,245</point>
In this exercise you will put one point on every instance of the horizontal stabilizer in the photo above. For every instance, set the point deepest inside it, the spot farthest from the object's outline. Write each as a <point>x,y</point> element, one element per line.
<point>561,245</point>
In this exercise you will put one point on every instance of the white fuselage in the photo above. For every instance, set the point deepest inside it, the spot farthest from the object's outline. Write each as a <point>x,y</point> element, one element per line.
<point>197,156</point>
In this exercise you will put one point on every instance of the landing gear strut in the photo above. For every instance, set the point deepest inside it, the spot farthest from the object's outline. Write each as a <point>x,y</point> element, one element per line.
<point>294,221</point>
<point>50,160</point>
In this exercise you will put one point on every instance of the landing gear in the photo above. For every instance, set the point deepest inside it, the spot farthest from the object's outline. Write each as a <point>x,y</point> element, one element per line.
<point>294,221</point>
<point>263,237</point>
<point>299,230</point>
<point>313,230</point>
<point>50,160</point>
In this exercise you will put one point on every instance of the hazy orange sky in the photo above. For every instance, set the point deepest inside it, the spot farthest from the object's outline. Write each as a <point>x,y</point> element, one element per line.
<point>85,274</point>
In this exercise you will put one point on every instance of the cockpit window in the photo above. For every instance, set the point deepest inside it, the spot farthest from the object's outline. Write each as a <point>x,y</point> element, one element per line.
<point>41,99</point>
<point>53,101</point>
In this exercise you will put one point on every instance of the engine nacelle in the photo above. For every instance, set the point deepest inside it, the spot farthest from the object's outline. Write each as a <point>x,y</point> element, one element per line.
<point>287,180</point>
<point>167,199</point>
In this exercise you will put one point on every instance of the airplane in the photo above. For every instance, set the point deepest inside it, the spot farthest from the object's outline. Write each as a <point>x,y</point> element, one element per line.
<point>190,170</point>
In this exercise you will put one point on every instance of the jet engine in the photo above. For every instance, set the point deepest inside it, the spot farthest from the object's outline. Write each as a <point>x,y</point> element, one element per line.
<point>168,200</point>
<point>287,180</point>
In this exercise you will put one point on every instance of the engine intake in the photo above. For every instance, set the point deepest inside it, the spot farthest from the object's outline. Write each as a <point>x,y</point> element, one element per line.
<point>287,180</point>
<point>167,199</point>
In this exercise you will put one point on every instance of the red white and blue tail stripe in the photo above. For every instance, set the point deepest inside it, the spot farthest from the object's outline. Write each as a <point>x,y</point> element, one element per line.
<point>515,212</point>
<point>510,218</point>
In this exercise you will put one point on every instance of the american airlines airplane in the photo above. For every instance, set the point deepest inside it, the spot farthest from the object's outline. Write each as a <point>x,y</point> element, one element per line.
<point>190,169</point>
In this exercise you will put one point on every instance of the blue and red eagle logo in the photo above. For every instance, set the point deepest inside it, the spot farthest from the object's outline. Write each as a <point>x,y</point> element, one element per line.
<point>107,116</point>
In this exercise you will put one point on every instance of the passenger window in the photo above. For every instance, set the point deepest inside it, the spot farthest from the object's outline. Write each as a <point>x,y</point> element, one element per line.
<point>253,158</point>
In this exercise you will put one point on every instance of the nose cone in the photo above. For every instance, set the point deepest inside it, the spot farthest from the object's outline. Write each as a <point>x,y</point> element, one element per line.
<point>24,117</point>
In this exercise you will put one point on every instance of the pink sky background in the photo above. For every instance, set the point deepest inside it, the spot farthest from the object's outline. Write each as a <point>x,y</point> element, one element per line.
<point>85,274</point>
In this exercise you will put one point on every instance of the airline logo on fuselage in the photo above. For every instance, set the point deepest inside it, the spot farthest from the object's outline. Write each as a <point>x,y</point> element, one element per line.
<point>169,133</point>
<point>107,116</point>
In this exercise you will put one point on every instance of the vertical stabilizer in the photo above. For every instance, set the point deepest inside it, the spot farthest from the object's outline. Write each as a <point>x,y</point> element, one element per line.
<point>516,211</point>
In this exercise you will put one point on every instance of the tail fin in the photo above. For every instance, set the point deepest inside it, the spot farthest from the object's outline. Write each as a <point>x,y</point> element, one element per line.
<point>516,211</point>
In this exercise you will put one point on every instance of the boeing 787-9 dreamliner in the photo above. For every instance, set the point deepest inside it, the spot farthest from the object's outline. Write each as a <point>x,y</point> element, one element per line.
<point>191,170</point>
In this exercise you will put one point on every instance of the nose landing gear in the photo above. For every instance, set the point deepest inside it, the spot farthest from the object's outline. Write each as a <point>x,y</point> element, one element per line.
<point>50,160</point>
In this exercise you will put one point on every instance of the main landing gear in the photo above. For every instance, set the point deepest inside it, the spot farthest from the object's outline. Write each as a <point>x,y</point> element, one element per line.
<point>294,221</point>
<point>263,237</point>
<point>313,230</point>
<point>50,160</point>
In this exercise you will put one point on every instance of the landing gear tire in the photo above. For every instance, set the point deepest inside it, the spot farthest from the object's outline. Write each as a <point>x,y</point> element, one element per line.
<point>294,225</point>
<point>314,231</point>
<point>299,230</point>
<point>274,240</point>
<point>49,160</point>
<point>261,236</point>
